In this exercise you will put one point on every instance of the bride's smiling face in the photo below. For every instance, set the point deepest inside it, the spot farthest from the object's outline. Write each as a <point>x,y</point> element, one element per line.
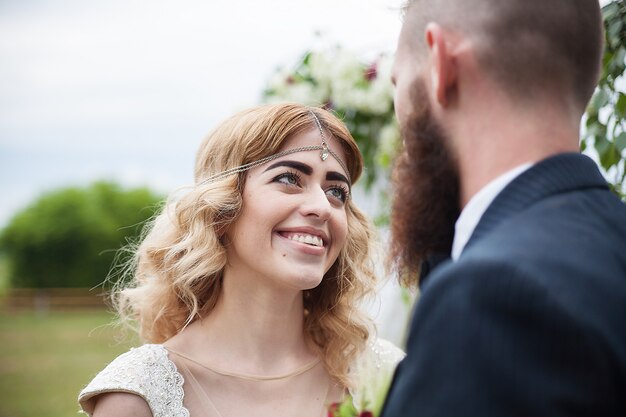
<point>293,222</point>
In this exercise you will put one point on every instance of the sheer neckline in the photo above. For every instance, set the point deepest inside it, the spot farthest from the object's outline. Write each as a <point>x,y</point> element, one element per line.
<point>250,377</point>
<point>210,406</point>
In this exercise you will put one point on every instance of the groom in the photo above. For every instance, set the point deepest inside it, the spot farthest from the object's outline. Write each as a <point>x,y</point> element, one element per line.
<point>528,318</point>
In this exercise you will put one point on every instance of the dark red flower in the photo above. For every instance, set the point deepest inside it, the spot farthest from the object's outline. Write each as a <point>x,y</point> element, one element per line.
<point>371,72</point>
<point>334,407</point>
<point>366,414</point>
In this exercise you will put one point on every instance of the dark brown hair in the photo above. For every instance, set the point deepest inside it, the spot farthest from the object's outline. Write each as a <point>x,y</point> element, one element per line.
<point>426,192</point>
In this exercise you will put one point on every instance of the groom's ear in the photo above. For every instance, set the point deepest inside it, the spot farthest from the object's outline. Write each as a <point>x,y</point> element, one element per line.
<point>443,66</point>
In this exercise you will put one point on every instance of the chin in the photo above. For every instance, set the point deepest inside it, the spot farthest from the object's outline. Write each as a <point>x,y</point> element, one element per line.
<point>304,281</point>
<point>309,284</point>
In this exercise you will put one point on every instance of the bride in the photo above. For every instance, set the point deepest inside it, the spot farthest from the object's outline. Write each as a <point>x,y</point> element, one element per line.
<point>247,286</point>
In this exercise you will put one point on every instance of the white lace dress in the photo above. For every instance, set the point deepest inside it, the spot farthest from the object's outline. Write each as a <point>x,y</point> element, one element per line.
<point>147,371</point>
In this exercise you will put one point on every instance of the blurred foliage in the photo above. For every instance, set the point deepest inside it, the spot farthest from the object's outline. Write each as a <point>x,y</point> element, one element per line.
<point>606,114</point>
<point>68,237</point>
<point>4,274</point>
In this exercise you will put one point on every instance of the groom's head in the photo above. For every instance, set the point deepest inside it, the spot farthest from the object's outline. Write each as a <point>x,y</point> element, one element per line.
<point>526,50</point>
<point>529,48</point>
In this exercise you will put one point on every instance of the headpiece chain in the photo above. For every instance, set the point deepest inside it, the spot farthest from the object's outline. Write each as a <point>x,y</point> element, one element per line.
<point>323,148</point>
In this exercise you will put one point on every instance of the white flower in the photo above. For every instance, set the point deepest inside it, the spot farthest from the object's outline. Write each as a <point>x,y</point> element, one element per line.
<point>345,67</point>
<point>320,68</point>
<point>304,93</point>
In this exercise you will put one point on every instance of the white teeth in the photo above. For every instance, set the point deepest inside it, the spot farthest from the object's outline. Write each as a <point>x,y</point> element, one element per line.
<point>308,239</point>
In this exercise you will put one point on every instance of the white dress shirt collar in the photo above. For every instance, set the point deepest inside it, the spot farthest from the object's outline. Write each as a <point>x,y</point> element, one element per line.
<point>476,207</point>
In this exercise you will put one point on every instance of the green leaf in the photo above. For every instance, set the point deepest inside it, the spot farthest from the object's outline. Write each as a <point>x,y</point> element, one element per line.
<point>306,58</point>
<point>599,100</point>
<point>620,142</point>
<point>610,10</point>
<point>591,119</point>
<point>615,28</point>
<point>346,409</point>
<point>607,152</point>
<point>602,145</point>
<point>596,129</point>
<point>620,105</point>
<point>606,60</point>
<point>592,111</point>
<point>616,66</point>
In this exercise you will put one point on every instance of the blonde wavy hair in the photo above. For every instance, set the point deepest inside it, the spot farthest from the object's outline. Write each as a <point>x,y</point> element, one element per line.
<point>176,273</point>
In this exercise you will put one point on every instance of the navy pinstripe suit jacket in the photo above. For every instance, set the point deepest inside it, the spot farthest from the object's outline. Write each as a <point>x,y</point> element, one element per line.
<point>531,319</point>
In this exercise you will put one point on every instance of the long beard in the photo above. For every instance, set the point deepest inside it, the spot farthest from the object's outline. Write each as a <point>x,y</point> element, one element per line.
<point>426,191</point>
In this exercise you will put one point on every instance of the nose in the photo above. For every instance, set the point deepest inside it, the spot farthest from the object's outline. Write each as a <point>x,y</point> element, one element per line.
<point>315,203</point>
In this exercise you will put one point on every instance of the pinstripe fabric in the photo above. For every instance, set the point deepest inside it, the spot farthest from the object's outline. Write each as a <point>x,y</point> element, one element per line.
<point>531,320</point>
<point>559,174</point>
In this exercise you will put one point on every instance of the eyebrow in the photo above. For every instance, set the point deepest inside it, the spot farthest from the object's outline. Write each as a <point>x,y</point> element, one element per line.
<point>335,176</point>
<point>307,170</point>
<point>304,168</point>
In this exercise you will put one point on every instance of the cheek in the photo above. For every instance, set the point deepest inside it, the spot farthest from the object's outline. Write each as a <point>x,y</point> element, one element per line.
<point>252,225</point>
<point>400,104</point>
<point>341,233</point>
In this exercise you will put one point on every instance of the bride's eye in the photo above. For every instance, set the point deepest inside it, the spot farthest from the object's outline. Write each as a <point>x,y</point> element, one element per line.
<point>338,192</point>
<point>288,178</point>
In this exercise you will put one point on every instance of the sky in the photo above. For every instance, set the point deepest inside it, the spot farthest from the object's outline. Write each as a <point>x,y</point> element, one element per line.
<point>125,90</point>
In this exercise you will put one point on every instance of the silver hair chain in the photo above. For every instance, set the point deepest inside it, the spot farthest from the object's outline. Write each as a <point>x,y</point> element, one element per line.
<point>323,148</point>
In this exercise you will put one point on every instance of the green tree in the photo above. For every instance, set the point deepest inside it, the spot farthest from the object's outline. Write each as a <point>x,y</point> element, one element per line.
<point>68,237</point>
<point>605,124</point>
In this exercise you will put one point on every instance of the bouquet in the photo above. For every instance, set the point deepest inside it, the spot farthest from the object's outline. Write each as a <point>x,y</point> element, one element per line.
<point>347,409</point>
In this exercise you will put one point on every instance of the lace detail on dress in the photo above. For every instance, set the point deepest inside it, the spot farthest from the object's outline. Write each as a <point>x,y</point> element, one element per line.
<point>146,371</point>
<point>373,372</point>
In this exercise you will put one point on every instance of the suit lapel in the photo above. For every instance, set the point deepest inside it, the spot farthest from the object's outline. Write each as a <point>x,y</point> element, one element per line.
<point>554,175</point>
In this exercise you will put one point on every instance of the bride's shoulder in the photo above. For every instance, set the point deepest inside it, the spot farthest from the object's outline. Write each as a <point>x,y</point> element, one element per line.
<point>139,357</point>
<point>134,367</point>
<point>145,371</point>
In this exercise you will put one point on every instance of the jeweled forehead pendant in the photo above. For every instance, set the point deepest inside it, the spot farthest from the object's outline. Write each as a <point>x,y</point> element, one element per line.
<point>324,152</point>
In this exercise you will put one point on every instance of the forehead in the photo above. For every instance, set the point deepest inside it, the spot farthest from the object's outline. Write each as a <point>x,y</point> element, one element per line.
<point>312,137</point>
<point>410,56</point>
<point>411,39</point>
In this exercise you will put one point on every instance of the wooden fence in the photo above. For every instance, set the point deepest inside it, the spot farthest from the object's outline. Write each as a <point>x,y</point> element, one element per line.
<point>53,299</point>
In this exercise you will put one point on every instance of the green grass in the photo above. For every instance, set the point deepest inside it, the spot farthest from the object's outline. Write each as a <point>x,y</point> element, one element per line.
<point>45,359</point>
